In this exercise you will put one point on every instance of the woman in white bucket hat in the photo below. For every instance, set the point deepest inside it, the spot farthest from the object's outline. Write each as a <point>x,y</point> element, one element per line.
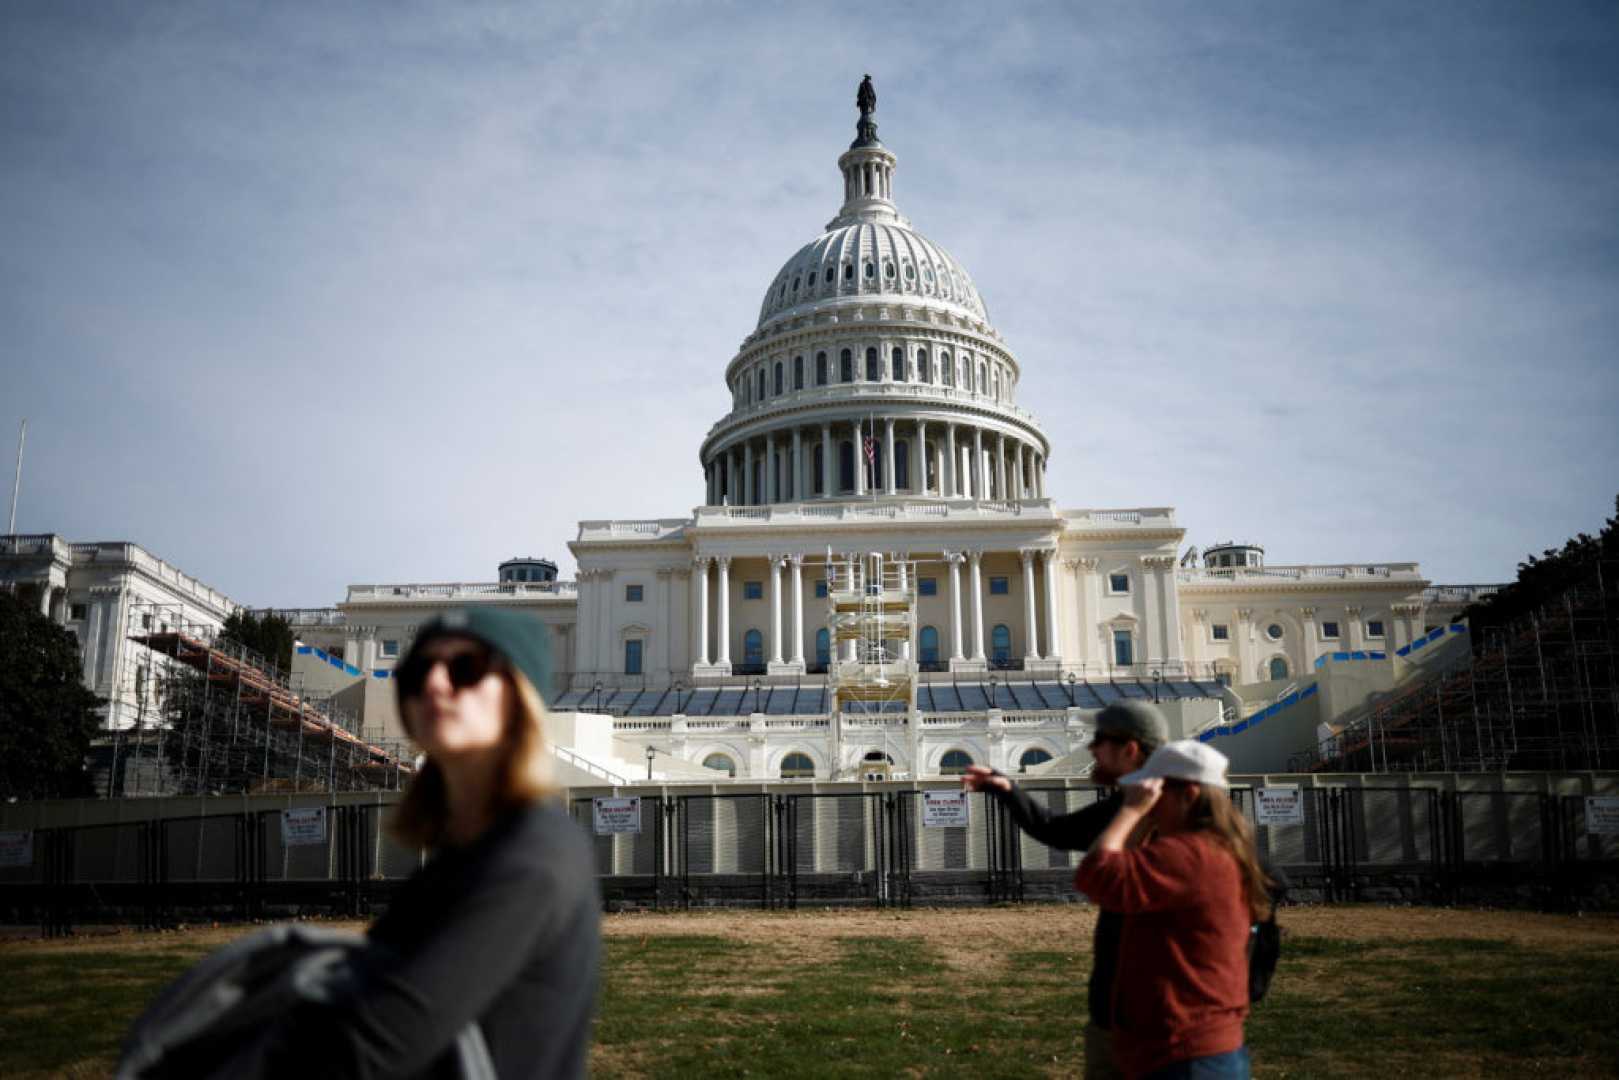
<point>1189,895</point>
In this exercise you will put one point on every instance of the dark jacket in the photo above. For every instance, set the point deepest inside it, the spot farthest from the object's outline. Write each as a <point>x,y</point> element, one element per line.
<point>1076,832</point>
<point>504,932</point>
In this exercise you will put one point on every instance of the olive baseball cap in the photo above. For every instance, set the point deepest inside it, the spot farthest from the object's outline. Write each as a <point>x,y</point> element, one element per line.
<point>522,639</point>
<point>1134,720</point>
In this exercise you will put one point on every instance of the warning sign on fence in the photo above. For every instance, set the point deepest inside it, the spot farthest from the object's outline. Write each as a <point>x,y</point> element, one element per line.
<point>1280,805</point>
<point>303,826</point>
<point>1601,815</point>
<point>17,848</point>
<point>944,809</point>
<point>617,815</point>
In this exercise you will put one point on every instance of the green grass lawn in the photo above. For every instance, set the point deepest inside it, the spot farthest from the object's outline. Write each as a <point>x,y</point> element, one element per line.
<point>715,1003</point>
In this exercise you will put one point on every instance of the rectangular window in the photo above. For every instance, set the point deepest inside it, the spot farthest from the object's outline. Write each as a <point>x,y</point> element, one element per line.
<point>1221,632</point>
<point>820,589</point>
<point>928,586</point>
<point>1118,583</point>
<point>390,646</point>
<point>1329,629</point>
<point>1374,628</point>
<point>632,594</point>
<point>998,586</point>
<point>79,612</point>
<point>1123,654</point>
<point>753,590</point>
<point>632,657</point>
<point>146,622</point>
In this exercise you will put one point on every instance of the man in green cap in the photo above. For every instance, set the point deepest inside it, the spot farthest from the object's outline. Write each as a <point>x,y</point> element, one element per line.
<point>1126,735</point>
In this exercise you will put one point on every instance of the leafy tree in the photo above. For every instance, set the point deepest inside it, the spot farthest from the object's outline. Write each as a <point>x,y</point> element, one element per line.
<point>47,717</point>
<point>1544,578</point>
<point>267,634</point>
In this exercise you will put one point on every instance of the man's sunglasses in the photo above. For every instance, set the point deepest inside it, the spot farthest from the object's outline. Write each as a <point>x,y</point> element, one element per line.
<point>1102,737</point>
<point>465,669</point>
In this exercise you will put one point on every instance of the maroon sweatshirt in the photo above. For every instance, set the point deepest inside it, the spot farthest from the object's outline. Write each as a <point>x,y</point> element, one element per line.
<point>1182,985</point>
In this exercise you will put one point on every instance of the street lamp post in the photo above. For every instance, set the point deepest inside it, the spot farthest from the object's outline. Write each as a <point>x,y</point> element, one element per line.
<point>1157,678</point>
<point>758,695</point>
<point>679,688</point>
<point>597,690</point>
<point>649,752</point>
<point>993,682</point>
<point>1072,679</point>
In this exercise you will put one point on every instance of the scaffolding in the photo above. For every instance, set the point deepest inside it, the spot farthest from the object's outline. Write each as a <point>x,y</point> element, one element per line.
<point>1539,694</point>
<point>871,621</point>
<point>213,717</point>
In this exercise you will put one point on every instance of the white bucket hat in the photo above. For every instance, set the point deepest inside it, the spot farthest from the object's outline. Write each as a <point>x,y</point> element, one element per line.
<point>1187,759</point>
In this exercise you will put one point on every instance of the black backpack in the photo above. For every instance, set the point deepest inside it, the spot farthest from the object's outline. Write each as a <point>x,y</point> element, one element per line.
<point>1265,942</point>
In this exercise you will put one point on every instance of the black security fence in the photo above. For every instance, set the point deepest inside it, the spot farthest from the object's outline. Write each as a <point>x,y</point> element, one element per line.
<point>1412,844</point>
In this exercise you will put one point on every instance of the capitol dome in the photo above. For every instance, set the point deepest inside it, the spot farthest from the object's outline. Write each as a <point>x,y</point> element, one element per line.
<point>873,369</point>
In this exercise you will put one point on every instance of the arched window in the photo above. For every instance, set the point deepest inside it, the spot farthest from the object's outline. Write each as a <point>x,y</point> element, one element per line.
<point>871,271</point>
<point>888,271</point>
<point>954,762</point>
<point>823,647</point>
<point>761,384</point>
<point>797,766</point>
<point>795,284</point>
<point>820,369</point>
<point>778,385</point>
<point>1000,643</point>
<point>753,647</point>
<point>848,271</point>
<point>898,365</point>
<point>820,469</point>
<point>1278,667</point>
<point>1031,757</point>
<point>994,383</point>
<point>846,366</point>
<point>947,369</point>
<point>983,376</point>
<point>871,366</point>
<point>798,373</point>
<point>930,645</point>
<point>924,368</point>
<point>722,763</point>
<point>902,464</point>
<point>846,466</point>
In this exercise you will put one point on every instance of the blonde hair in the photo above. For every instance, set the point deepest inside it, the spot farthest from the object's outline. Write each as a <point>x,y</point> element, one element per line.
<point>1214,812</point>
<point>421,817</point>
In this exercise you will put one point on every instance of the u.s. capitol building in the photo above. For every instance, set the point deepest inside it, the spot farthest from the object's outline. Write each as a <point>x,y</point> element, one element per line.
<point>874,409</point>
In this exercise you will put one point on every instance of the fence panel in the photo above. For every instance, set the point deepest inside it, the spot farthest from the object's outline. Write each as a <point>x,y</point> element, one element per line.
<point>296,862</point>
<point>109,854</point>
<point>197,849</point>
<point>947,863</point>
<point>724,848</point>
<point>1585,845</point>
<point>833,847</point>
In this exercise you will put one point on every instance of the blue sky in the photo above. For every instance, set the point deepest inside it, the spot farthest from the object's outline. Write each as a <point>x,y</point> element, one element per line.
<point>303,295</point>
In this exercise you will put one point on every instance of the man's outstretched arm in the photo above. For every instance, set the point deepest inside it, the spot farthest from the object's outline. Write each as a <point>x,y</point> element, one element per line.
<point>1066,832</point>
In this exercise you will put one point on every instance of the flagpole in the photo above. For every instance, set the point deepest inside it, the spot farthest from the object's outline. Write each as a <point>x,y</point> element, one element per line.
<point>11,529</point>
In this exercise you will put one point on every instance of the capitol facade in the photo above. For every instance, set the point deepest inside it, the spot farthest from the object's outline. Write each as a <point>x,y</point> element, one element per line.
<point>873,411</point>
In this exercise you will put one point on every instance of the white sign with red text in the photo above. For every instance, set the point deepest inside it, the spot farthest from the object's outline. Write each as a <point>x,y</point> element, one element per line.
<point>1602,815</point>
<point>945,809</point>
<point>303,827</point>
<point>617,815</point>
<point>1279,805</point>
<point>17,848</point>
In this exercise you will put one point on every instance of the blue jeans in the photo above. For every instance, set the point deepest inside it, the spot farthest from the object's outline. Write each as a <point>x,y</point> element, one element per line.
<point>1232,1065</point>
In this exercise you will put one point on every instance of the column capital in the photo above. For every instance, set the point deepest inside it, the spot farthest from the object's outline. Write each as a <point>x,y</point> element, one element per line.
<point>1307,612</point>
<point>1245,614</point>
<point>1353,611</point>
<point>1158,562</point>
<point>724,562</point>
<point>975,555</point>
<point>1406,611</point>
<point>1088,563</point>
<point>1026,556</point>
<point>1200,615</point>
<point>700,562</point>
<point>664,573</point>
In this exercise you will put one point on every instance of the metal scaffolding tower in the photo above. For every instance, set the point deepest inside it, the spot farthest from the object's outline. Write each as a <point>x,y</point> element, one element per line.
<point>871,620</point>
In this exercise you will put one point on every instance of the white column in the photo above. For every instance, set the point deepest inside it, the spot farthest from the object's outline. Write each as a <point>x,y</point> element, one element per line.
<point>700,586</point>
<point>665,619</point>
<point>1054,649</point>
<point>748,494</point>
<point>955,605</point>
<point>722,601</point>
<point>861,466</point>
<point>775,609</point>
<point>947,484</point>
<point>826,461</point>
<point>978,470</point>
<point>772,492</point>
<point>888,456</point>
<point>1001,486</point>
<point>905,644</point>
<point>798,465</point>
<point>607,660</point>
<point>1031,645</point>
<point>919,483</point>
<point>975,581</point>
<point>798,609</point>
<point>1245,630</point>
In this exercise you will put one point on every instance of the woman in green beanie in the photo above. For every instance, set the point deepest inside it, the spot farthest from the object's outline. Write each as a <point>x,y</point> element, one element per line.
<point>501,926</point>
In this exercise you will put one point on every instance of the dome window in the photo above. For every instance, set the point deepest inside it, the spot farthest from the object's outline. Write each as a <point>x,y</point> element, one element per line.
<point>848,271</point>
<point>924,370</point>
<point>888,271</point>
<point>871,270</point>
<point>846,366</point>
<point>910,272</point>
<point>795,284</point>
<point>873,374</point>
<point>778,386</point>
<point>927,274</point>
<point>820,369</point>
<point>899,364</point>
<point>798,373</point>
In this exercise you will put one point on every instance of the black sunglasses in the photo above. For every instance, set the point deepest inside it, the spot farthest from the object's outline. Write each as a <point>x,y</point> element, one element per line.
<point>1107,737</point>
<point>465,669</point>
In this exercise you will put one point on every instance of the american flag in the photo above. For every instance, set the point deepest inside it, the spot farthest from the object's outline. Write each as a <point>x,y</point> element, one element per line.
<point>871,449</point>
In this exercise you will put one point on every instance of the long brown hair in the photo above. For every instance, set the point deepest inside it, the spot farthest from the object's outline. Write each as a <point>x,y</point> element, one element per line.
<point>1213,812</point>
<point>422,815</point>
